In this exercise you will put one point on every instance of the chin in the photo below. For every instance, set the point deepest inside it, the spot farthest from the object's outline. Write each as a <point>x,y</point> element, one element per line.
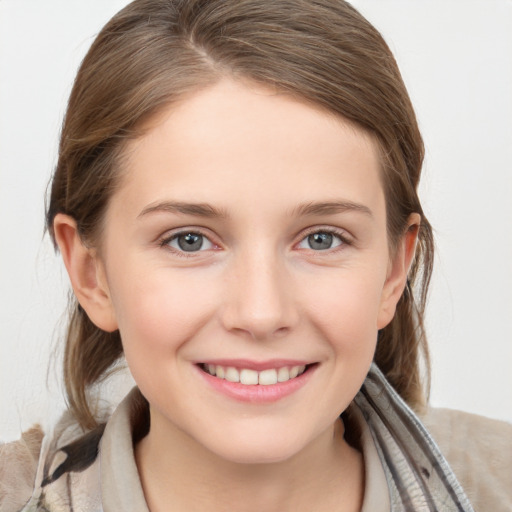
<point>269,449</point>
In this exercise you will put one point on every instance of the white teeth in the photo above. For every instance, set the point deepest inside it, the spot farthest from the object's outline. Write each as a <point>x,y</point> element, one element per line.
<point>267,377</point>
<point>283,374</point>
<point>253,377</point>
<point>249,377</point>
<point>294,371</point>
<point>232,374</point>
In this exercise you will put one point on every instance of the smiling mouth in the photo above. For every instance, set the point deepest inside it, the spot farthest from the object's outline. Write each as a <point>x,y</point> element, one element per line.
<point>249,377</point>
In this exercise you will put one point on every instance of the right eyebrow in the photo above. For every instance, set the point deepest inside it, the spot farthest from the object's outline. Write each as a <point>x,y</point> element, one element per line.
<point>196,209</point>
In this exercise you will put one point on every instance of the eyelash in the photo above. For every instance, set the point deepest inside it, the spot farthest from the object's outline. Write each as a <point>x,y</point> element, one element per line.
<point>165,241</point>
<point>339,233</point>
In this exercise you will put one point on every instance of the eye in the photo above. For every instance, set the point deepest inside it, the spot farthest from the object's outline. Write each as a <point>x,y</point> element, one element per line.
<point>189,242</point>
<point>321,241</point>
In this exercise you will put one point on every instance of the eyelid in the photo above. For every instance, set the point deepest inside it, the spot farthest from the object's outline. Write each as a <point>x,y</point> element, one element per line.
<point>165,239</point>
<point>342,234</point>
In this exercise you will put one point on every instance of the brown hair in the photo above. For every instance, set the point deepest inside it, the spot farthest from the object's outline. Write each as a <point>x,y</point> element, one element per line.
<point>153,52</point>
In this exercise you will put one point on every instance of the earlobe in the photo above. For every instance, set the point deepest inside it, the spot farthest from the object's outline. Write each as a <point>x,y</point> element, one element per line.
<point>86,273</point>
<point>399,269</point>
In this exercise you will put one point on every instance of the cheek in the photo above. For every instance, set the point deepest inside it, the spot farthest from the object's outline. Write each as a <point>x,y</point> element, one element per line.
<point>346,310</point>
<point>159,312</point>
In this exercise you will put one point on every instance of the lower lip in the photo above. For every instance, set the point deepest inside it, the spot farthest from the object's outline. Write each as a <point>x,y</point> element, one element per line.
<point>258,393</point>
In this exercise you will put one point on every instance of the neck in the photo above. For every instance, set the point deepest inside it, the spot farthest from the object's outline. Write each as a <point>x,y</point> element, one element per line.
<point>327,475</point>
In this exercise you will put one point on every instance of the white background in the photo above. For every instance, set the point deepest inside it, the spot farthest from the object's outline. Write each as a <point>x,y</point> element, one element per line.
<point>456,59</point>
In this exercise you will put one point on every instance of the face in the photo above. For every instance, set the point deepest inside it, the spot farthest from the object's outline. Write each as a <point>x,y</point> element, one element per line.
<point>246,264</point>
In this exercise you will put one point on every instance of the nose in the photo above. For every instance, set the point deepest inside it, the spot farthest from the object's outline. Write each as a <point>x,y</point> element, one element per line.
<point>259,297</point>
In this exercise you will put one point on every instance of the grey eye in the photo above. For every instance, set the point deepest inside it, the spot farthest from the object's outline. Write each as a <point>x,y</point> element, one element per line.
<point>320,241</point>
<point>190,242</point>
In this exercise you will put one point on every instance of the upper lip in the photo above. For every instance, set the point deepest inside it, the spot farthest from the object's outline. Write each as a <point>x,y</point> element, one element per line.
<point>256,365</point>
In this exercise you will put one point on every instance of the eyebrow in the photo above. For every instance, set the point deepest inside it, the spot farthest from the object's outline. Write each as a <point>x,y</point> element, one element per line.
<point>208,211</point>
<point>197,209</point>
<point>331,208</point>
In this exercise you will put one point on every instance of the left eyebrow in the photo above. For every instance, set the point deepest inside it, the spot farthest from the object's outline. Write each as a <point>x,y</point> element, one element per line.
<point>331,208</point>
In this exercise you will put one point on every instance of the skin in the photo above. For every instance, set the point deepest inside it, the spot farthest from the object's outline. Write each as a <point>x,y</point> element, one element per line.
<point>256,290</point>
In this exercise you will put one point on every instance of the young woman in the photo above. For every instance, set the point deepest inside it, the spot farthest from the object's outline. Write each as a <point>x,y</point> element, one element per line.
<point>236,205</point>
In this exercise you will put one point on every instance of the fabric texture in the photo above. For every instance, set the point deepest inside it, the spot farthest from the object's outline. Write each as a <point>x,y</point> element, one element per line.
<point>96,472</point>
<point>418,475</point>
<point>479,450</point>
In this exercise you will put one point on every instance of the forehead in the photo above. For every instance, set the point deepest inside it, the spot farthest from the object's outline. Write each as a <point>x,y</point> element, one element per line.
<point>237,139</point>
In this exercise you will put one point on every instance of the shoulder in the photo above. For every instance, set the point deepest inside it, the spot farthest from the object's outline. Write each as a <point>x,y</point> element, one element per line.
<point>34,471</point>
<point>18,467</point>
<point>479,450</point>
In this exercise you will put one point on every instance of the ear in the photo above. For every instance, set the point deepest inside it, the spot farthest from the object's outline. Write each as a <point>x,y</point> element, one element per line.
<point>398,271</point>
<point>86,273</point>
